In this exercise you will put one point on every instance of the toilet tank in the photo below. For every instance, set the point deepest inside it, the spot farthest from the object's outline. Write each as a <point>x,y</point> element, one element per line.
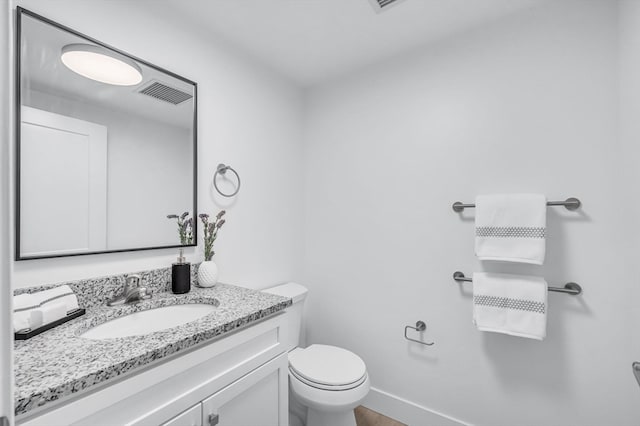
<point>297,293</point>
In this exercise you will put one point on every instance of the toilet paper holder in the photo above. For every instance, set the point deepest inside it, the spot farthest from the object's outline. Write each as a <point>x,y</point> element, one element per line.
<point>420,326</point>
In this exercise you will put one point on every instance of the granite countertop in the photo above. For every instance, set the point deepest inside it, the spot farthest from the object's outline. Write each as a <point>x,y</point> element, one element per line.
<point>58,363</point>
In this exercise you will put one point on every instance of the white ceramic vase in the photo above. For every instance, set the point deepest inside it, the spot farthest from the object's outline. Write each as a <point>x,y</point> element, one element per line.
<point>207,274</point>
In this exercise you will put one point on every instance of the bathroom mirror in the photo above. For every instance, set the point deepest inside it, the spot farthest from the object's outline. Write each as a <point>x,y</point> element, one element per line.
<point>106,147</point>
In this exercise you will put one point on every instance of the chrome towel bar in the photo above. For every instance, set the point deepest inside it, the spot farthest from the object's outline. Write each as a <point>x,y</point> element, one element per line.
<point>569,204</point>
<point>569,288</point>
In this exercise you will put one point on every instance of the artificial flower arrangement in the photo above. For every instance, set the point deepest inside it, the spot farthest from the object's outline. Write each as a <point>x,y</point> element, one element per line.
<point>208,270</point>
<point>211,229</point>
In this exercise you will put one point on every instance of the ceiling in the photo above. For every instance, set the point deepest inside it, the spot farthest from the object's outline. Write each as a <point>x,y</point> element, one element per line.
<point>42,71</point>
<point>310,41</point>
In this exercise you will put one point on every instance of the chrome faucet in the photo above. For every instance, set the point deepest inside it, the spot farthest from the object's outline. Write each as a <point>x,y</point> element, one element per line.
<point>131,293</point>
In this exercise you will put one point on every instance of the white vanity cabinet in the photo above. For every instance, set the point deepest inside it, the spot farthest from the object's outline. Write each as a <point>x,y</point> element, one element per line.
<point>191,417</point>
<point>240,379</point>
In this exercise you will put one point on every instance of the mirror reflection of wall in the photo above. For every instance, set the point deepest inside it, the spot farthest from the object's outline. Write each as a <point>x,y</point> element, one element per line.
<point>102,165</point>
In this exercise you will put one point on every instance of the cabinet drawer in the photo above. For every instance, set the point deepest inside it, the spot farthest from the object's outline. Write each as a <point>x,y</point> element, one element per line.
<point>259,398</point>
<point>191,417</point>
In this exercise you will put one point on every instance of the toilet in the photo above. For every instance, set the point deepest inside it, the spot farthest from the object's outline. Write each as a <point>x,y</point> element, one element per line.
<point>326,380</point>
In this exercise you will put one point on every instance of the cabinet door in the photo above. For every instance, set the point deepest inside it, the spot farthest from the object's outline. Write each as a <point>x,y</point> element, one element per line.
<point>191,417</point>
<point>258,399</point>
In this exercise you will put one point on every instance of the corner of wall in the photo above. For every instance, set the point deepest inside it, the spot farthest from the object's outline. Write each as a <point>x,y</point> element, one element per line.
<point>6,245</point>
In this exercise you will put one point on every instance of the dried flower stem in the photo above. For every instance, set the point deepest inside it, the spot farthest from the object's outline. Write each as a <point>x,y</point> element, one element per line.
<point>185,227</point>
<point>211,232</point>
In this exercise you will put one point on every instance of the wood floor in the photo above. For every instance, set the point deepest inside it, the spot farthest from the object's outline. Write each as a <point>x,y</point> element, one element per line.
<point>367,417</point>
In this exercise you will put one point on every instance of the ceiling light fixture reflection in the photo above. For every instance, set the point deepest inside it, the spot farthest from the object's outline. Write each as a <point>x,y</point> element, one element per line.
<point>101,64</point>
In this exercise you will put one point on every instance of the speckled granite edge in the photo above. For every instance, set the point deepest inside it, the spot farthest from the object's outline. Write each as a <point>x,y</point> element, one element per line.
<point>94,292</point>
<point>60,363</point>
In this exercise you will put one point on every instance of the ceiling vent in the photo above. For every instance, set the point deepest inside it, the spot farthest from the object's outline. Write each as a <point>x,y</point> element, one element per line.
<point>162,92</point>
<point>381,5</point>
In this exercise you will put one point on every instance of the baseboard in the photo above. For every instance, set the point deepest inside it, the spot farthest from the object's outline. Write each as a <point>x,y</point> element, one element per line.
<point>407,412</point>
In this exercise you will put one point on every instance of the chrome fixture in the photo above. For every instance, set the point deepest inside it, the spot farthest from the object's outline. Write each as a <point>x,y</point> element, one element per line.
<point>222,170</point>
<point>569,288</point>
<point>636,370</point>
<point>420,326</point>
<point>569,204</point>
<point>382,5</point>
<point>131,293</point>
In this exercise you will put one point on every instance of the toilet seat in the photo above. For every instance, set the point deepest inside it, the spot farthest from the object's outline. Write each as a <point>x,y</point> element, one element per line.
<point>328,387</point>
<point>327,368</point>
<point>326,400</point>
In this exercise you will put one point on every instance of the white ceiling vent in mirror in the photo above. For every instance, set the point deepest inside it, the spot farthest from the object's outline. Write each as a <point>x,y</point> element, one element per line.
<point>380,5</point>
<point>162,92</point>
<point>100,64</point>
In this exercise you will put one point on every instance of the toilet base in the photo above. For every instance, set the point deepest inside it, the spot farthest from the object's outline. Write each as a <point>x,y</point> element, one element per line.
<point>333,418</point>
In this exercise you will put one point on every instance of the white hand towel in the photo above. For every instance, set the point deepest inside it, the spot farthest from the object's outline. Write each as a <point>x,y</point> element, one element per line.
<point>23,305</point>
<point>510,304</point>
<point>511,227</point>
<point>61,293</point>
<point>49,313</point>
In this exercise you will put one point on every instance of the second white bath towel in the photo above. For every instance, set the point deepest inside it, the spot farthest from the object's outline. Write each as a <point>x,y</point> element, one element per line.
<point>510,304</point>
<point>511,227</point>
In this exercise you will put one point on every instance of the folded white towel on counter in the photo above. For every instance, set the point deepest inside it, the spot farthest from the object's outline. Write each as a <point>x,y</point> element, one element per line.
<point>61,293</point>
<point>31,310</point>
<point>48,313</point>
<point>511,227</point>
<point>23,305</point>
<point>510,304</point>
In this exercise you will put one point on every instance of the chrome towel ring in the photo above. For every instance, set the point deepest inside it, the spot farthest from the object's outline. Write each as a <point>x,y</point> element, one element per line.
<point>222,169</point>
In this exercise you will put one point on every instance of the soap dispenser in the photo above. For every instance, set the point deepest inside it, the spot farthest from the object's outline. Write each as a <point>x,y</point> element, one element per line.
<point>181,275</point>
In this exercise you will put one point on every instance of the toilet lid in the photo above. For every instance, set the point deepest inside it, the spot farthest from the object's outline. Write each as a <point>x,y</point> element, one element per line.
<point>327,365</point>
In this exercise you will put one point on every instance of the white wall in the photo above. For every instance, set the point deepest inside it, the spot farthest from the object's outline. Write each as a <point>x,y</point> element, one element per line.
<point>527,104</point>
<point>6,327</point>
<point>249,118</point>
<point>629,22</point>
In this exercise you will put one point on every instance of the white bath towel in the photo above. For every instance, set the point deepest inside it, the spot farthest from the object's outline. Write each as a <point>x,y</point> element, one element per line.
<point>511,227</point>
<point>23,305</point>
<point>48,313</point>
<point>510,304</point>
<point>61,293</point>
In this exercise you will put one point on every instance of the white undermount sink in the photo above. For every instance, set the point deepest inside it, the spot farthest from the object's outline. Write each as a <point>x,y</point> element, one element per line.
<point>150,321</point>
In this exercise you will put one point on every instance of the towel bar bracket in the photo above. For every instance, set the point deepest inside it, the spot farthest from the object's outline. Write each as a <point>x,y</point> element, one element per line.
<point>573,289</point>
<point>569,288</point>
<point>636,370</point>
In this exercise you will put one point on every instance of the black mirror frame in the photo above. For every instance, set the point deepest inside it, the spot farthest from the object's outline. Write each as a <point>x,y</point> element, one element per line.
<point>18,105</point>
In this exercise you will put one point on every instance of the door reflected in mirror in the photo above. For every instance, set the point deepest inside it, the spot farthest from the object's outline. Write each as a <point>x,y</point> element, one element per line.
<point>106,147</point>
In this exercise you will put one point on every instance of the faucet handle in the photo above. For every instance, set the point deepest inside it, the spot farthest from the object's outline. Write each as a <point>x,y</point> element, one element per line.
<point>133,280</point>
<point>144,293</point>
